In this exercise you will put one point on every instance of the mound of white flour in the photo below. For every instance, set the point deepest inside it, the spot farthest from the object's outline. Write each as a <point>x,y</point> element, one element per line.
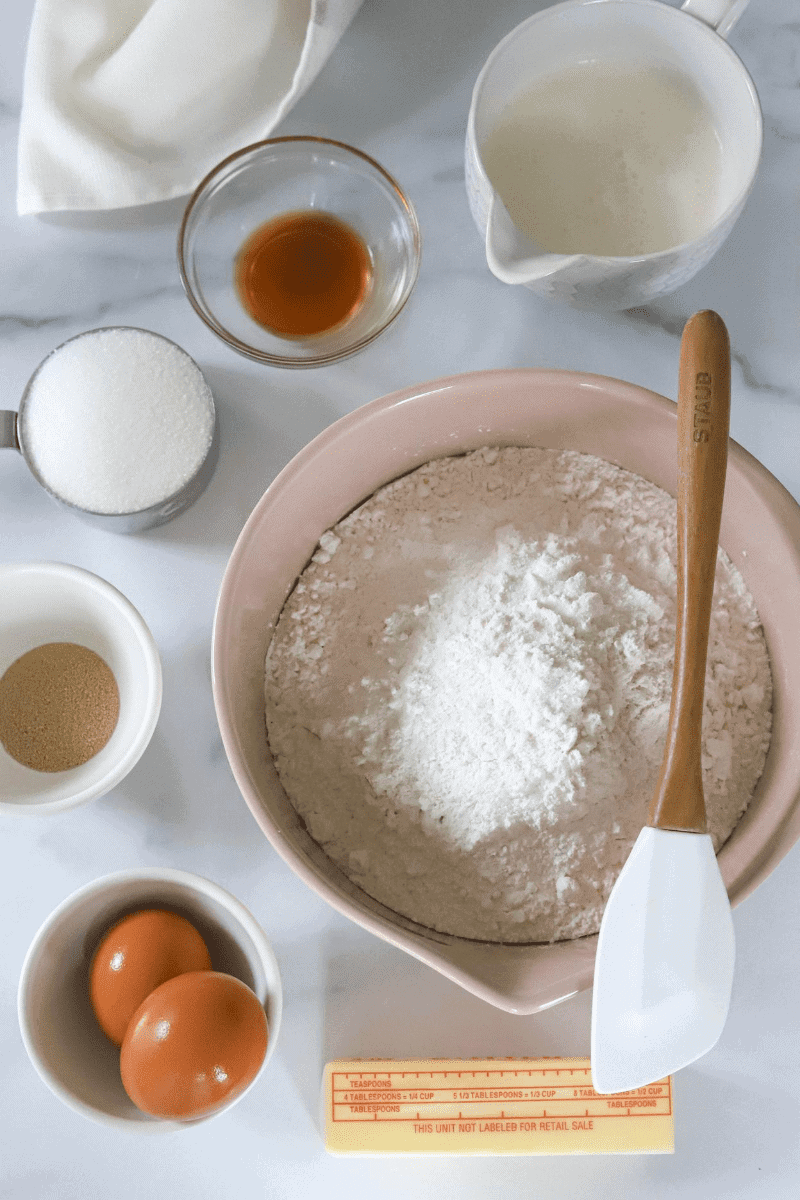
<point>467,692</point>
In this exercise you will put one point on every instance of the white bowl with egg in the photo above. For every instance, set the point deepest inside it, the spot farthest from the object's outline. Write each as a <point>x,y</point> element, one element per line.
<point>55,602</point>
<point>622,423</point>
<point>63,1039</point>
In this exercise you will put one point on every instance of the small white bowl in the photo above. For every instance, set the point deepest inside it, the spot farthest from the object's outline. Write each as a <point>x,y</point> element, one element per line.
<point>64,1041</point>
<point>54,602</point>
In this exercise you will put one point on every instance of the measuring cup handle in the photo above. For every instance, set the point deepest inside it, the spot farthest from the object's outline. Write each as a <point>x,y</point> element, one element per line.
<point>721,15</point>
<point>8,429</point>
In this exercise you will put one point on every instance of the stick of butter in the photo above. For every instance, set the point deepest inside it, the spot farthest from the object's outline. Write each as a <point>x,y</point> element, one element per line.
<point>488,1106</point>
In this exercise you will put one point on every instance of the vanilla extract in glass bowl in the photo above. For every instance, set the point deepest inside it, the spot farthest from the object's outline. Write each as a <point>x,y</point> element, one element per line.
<point>298,251</point>
<point>303,273</point>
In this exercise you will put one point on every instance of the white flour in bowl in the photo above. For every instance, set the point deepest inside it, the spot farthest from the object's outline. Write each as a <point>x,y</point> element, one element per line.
<point>467,692</point>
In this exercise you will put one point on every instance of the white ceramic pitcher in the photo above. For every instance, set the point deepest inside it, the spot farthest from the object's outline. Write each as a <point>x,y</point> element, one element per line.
<point>641,32</point>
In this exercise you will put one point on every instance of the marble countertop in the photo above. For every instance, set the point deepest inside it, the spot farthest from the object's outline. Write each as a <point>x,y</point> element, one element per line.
<point>398,86</point>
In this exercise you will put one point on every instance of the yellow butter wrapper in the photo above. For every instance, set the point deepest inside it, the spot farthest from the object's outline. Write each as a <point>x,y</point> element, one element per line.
<point>488,1106</point>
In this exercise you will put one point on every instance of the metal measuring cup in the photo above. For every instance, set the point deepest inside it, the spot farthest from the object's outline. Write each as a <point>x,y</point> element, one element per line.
<point>11,425</point>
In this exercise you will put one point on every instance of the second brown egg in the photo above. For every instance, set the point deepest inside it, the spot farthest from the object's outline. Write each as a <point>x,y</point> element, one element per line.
<point>195,1045</point>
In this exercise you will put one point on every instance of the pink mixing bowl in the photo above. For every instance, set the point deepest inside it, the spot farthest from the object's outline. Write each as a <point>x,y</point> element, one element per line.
<point>342,467</point>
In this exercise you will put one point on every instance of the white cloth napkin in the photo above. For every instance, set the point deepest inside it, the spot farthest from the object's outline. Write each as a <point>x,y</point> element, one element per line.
<point>130,101</point>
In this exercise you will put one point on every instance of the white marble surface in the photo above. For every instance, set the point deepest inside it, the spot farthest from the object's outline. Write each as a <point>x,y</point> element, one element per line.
<point>398,86</point>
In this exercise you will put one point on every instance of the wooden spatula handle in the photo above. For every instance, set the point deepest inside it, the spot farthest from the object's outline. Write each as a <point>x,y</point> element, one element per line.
<point>704,394</point>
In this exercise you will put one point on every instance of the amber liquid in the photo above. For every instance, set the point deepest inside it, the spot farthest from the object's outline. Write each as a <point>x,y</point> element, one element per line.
<point>303,273</point>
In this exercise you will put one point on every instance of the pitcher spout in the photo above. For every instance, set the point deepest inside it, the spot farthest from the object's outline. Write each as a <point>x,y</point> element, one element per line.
<point>511,256</point>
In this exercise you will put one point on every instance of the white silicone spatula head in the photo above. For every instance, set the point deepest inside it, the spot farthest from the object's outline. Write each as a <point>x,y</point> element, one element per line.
<point>664,964</point>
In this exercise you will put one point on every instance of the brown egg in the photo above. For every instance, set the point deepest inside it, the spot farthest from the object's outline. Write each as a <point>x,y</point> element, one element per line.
<point>194,1045</point>
<point>138,954</point>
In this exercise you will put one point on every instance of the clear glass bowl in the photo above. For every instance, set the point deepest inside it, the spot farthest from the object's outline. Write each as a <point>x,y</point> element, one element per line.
<point>283,175</point>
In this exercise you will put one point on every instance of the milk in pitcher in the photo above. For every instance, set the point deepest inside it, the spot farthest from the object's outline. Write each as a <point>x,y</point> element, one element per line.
<point>604,158</point>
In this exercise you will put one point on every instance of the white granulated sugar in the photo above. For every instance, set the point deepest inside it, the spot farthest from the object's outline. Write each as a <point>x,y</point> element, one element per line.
<point>117,420</point>
<point>468,690</point>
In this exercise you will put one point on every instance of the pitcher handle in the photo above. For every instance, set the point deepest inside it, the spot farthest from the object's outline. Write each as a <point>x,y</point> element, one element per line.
<point>8,429</point>
<point>721,15</point>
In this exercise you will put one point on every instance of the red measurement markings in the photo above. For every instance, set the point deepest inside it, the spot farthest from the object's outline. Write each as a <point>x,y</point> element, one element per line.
<point>615,1106</point>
